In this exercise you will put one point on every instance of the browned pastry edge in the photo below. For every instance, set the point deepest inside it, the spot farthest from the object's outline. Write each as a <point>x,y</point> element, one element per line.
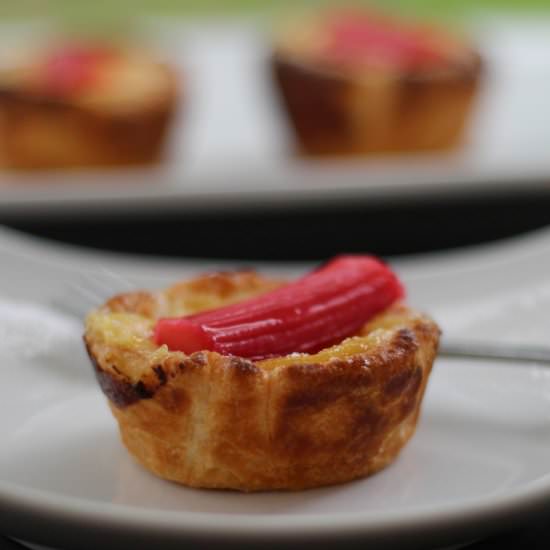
<point>207,420</point>
<point>334,114</point>
<point>44,133</point>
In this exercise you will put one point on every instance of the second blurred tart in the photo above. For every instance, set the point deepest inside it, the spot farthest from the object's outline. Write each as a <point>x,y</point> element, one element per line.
<point>85,104</point>
<point>358,82</point>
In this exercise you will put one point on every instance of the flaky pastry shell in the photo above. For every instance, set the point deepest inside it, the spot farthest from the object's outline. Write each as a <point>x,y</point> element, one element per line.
<point>299,421</point>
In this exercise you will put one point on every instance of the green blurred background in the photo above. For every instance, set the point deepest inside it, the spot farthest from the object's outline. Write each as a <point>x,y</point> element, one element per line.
<point>98,12</point>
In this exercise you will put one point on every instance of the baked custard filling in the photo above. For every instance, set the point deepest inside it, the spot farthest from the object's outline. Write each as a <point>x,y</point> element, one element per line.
<point>358,39</point>
<point>322,315</point>
<point>91,75</point>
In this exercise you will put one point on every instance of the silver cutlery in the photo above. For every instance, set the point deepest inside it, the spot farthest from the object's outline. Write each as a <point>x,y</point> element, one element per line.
<point>494,351</point>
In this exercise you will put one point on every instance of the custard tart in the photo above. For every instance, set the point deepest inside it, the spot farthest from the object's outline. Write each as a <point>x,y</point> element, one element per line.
<point>273,420</point>
<point>83,105</point>
<point>358,82</point>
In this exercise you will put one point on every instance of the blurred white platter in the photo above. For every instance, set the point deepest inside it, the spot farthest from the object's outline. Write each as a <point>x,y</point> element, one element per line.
<point>232,148</point>
<point>480,459</point>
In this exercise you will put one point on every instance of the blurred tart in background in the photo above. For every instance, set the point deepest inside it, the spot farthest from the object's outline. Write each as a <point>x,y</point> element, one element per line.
<point>77,105</point>
<point>357,82</point>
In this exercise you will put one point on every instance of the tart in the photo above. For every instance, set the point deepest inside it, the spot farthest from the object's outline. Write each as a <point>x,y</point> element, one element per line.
<point>361,82</point>
<point>289,421</point>
<point>79,105</point>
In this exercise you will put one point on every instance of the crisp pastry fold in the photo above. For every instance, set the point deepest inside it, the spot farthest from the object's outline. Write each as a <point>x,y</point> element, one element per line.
<point>293,422</point>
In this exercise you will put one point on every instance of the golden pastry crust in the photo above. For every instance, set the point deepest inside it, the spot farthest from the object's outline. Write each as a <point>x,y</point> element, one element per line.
<point>295,422</point>
<point>123,121</point>
<point>338,111</point>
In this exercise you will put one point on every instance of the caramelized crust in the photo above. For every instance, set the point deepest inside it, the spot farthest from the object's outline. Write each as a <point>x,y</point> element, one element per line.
<point>293,422</point>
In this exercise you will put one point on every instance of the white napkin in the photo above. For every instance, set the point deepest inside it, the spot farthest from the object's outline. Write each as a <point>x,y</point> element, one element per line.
<point>32,331</point>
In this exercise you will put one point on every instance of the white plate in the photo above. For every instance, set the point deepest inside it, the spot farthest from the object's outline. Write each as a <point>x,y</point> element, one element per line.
<point>231,147</point>
<point>479,461</point>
